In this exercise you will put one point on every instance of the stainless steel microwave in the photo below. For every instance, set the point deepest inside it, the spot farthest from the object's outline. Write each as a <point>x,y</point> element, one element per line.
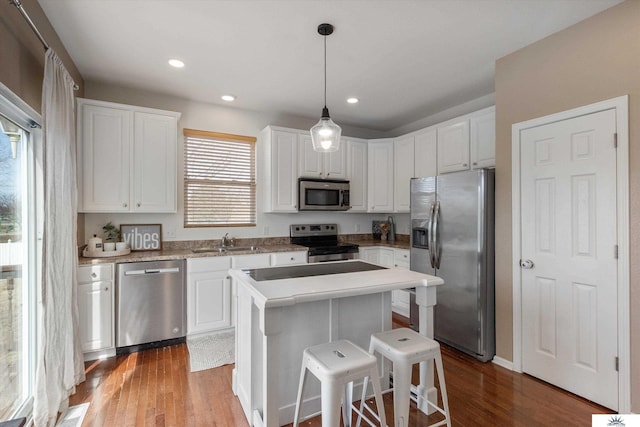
<point>323,195</point>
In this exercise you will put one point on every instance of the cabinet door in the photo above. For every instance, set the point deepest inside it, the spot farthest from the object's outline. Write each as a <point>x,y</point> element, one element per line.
<point>95,310</point>
<point>453,147</point>
<point>369,254</point>
<point>154,169</point>
<point>208,301</point>
<point>309,162</point>
<point>483,139</point>
<point>104,156</point>
<point>426,154</point>
<point>403,159</point>
<point>284,160</point>
<point>335,163</point>
<point>357,174</point>
<point>380,174</point>
<point>401,258</point>
<point>387,257</point>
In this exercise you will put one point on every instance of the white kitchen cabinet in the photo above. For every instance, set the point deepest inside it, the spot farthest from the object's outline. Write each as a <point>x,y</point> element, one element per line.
<point>453,146</point>
<point>403,171</point>
<point>127,158</point>
<point>96,310</point>
<point>426,153</point>
<point>288,258</point>
<point>483,138</point>
<point>279,171</point>
<point>390,257</point>
<point>356,173</point>
<point>380,176</point>
<point>208,294</point>
<point>312,164</point>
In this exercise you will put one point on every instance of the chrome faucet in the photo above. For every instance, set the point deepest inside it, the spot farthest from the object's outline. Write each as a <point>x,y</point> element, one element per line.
<point>224,242</point>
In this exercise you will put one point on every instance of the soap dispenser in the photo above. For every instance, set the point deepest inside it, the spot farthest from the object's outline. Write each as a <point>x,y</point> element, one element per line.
<point>392,229</point>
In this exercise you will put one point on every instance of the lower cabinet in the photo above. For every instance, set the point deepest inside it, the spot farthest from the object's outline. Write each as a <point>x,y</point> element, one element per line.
<point>208,294</point>
<point>96,310</point>
<point>390,257</point>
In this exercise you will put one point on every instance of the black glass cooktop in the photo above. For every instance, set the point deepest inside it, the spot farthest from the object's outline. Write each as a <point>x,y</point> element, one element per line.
<point>305,270</point>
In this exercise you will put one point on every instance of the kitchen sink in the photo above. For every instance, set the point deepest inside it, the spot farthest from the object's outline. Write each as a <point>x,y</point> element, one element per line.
<point>222,249</point>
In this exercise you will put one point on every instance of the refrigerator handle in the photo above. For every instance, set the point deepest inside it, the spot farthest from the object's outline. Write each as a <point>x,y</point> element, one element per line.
<point>430,236</point>
<point>434,234</point>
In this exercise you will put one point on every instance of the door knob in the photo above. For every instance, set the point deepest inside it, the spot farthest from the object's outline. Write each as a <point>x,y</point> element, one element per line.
<point>526,264</point>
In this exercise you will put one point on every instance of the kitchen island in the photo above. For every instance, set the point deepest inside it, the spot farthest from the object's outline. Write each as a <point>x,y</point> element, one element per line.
<point>282,310</point>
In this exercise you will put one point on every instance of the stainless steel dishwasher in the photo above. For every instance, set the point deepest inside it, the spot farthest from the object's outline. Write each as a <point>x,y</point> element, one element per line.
<point>150,303</point>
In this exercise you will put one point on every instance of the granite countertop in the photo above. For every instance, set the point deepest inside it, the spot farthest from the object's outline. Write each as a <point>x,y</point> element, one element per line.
<point>184,253</point>
<point>184,249</point>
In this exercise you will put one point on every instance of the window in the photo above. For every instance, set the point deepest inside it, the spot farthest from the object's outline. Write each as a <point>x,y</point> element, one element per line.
<point>219,179</point>
<point>18,261</point>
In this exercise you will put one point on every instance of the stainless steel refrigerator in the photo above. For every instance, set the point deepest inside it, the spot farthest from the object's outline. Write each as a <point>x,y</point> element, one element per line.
<point>452,236</point>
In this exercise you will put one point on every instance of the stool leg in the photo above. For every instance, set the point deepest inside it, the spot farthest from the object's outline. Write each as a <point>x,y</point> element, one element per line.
<point>443,388</point>
<point>303,378</point>
<point>401,393</point>
<point>377,390</point>
<point>365,383</point>
<point>346,404</point>
<point>331,396</point>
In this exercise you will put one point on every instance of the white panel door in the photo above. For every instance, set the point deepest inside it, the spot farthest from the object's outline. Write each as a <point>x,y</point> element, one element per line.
<point>210,294</point>
<point>284,167</point>
<point>95,311</point>
<point>425,161</point>
<point>569,268</point>
<point>357,174</point>
<point>380,176</point>
<point>453,147</point>
<point>483,139</point>
<point>309,161</point>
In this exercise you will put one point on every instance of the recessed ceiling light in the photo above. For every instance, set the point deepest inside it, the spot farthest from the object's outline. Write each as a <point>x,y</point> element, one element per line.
<point>228,98</point>
<point>352,100</point>
<point>176,63</point>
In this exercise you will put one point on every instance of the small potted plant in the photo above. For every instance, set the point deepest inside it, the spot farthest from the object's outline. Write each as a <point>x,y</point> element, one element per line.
<point>111,236</point>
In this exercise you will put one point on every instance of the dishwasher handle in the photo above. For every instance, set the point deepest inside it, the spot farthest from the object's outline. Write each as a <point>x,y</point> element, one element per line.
<point>152,271</point>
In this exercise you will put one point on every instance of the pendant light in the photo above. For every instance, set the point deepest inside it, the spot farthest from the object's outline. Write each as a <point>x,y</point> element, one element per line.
<point>325,135</point>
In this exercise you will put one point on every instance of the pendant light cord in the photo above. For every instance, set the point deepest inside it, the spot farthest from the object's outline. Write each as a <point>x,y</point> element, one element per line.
<point>325,71</point>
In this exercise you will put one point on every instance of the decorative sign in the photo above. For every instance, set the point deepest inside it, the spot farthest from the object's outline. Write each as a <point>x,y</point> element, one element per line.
<point>142,237</point>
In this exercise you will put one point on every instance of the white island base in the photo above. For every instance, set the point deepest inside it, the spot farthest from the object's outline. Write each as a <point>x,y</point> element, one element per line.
<point>278,319</point>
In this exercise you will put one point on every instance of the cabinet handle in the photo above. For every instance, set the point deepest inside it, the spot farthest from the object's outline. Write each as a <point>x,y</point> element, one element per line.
<point>124,205</point>
<point>464,164</point>
<point>138,204</point>
<point>228,277</point>
<point>320,174</point>
<point>106,288</point>
<point>328,173</point>
<point>291,258</point>
<point>475,163</point>
<point>94,275</point>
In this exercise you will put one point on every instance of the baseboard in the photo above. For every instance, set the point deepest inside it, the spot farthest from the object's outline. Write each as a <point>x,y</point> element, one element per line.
<point>503,362</point>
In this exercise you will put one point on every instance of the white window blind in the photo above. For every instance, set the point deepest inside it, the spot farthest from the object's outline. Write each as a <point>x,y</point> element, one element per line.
<point>219,179</point>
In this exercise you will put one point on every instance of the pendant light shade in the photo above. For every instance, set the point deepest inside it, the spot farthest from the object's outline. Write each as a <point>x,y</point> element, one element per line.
<point>325,135</point>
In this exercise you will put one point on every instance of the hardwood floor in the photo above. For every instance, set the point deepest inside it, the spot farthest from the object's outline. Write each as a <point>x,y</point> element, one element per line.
<point>155,388</point>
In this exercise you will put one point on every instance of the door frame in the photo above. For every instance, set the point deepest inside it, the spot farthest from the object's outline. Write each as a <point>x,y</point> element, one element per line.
<point>621,107</point>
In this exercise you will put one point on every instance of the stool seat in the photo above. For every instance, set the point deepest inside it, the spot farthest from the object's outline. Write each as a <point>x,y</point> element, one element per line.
<point>405,347</point>
<point>337,364</point>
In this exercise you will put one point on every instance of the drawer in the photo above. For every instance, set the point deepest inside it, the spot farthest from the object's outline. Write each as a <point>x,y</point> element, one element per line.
<point>95,273</point>
<point>288,258</point>
<point>401,258</point>
<point>214,263</point>
<point>251,261</point>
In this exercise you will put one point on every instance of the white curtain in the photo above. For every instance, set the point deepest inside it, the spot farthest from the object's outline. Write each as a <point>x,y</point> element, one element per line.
<point>59,367</point>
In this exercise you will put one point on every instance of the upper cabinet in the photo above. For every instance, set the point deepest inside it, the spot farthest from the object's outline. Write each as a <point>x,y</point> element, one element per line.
<point>403,171</point>
<point>453,146</point>
<point>356,172</point>
<point>127,158</point>
<point>313,164</point>
<point>279,149</point>
<point>483,138</point>
<point>468,142</point>
<point>425,159</point>
<point>380,175</point>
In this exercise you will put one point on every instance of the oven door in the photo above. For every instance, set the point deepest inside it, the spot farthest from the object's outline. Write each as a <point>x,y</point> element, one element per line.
<point>332,257</point>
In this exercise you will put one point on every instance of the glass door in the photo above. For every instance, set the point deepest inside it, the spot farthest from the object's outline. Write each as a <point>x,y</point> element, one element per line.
<point>18,262</point>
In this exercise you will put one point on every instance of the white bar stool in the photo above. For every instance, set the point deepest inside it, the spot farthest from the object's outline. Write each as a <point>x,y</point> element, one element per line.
<point>337,364</point>
<point>405,347</point>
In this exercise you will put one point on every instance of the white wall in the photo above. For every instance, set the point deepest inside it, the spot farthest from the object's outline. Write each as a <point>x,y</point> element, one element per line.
<point>197,115</point>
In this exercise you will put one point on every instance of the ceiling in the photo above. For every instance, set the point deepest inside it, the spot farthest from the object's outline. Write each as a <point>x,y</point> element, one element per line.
<point>404,59</point>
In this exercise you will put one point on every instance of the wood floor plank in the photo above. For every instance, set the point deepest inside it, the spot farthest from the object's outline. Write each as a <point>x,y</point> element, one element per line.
<point>156,388</point>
